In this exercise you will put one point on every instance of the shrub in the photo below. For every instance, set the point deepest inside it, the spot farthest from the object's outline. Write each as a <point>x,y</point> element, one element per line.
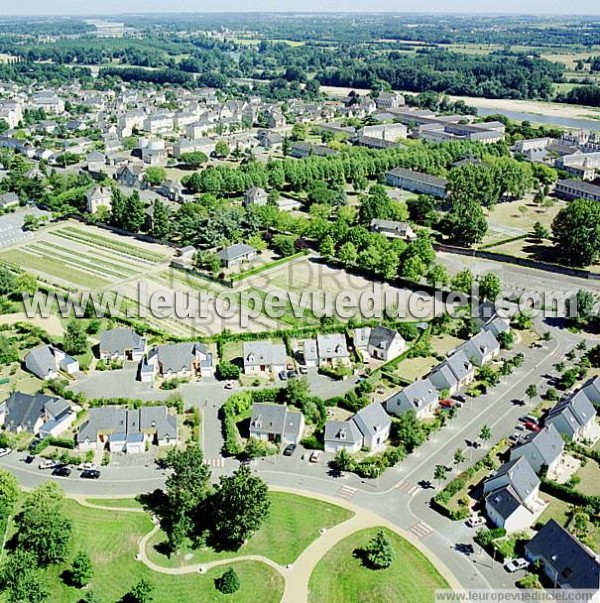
<point>228,583</point>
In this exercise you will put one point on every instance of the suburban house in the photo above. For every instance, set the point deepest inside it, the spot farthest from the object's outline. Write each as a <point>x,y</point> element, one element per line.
<point>512,496</point>
<point>592,391</point>
<point>342,435</point>
<point>187,359</point>
<point>379,342</point>
<point>481,348</point>
<point>172,190</point>
<point>389,100</point>
<point>455,372</point>
<point>38,414</point>
<point>332,350</point>
<point>96,162</point>
<point>306,149</point>
<point>47,362</point>
<point>255,196</point>
<point>566,561</point>
<point>574,418</point>
<point>263,357</point>
<point>417,182</point>
<point>276,423</point>
<point>131,175</point>
<point>393,229</point>
<point>99,196</point>
<point>541,449</point>
<point>420,396</point>
<point>374,424</point>
<point>127,430</point>
<point>122,345</point>
<point>236,255</point>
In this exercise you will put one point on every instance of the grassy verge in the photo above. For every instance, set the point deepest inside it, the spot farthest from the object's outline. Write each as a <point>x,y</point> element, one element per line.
<point>294,522</point>
<point>340,576</point>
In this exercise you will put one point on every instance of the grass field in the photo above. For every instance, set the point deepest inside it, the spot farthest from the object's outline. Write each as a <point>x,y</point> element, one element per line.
<point>557,510</point>
<point>294,522</point>
<point>112,540</point>
<point>340,577</point>
<point>590,478</point>
<point>123,503</point>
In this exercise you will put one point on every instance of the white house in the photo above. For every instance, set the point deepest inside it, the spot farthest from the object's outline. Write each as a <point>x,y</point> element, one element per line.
<point>574,418</point>
<point>374,424</point>
<point>263,357</point>
<point>481,348</point>
<point>47,362</point>
<point>99,196</point>
<point>342,435</point>
<point>420,396</point>
<point>541,449</point>
<point>332,350</point>
<point>276,423</point>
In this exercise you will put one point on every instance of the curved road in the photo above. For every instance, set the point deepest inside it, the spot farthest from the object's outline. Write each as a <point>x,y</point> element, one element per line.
<point>397,496</point>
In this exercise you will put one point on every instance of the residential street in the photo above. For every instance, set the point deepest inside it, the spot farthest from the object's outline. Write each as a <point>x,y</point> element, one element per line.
<point>395,496</point>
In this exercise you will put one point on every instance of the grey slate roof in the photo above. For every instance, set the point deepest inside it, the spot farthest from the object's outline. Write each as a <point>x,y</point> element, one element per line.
<point>332,345</point>
<point>459,364</point>
<point>41,361</point>
<point>342,432</point>
<point>371,419</point>
<point>258,353</point>
<point>275,419</point>
<point>178,356</point>
<point>115,341</point>
<point>521,476</point>
<point>547,442</point>
<point>381,337</point>
<point>504,500</point>
<point>236,251</point>
<point>575,565</point>
<point>24,410</point>
<point>415,396</point>
<point>577,410</point>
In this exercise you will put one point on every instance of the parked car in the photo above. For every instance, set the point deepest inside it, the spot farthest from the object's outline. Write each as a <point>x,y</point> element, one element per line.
<point>29,459</point>
<point>476,521</point>
<point>283,375</point>
<point>315,455</point>
<point>532,426</point>
<point>229,385</point>
<point>289,450</point>
<point>5,451</point>
<point>532,419</point>
<point>89,466</point>
<point>90,474</point>
<point>460,397</point>
<point>516,564</point>
<point>447,403</point>
<point>303,369</point>
<point>292,374</point>
<point>49,464</point>
<point>520,427</point>
<point>515,437</point>
<point>62,471</point>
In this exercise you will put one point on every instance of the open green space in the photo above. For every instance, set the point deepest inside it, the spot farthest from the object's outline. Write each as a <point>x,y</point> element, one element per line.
<point>118,503</point>
<point>112,538</point>
<point>294,522</point>
<point>340,576</point>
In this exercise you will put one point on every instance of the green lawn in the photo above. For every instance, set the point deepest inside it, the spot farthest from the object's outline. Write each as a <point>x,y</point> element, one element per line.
<point>111,538</point>
<point>340,577</point>
<point>590,478</point>
<point>557,510</point>
<point>123,503</point>
<point>294,523</point>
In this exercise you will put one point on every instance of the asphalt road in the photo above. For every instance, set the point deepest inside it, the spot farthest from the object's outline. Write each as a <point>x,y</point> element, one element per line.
<point>396,496</point>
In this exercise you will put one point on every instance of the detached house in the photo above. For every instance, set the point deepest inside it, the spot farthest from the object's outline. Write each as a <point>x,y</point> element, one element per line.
<point>122,345</point>
<point>131,175</point>
<point>342,435</point>
<point>263,357</point>
<point>255,196</point>
<point>374,424</point>
<point>566,561</point>
<point>574,417</point>
<point>236,255</point>
<point>379,342</point>
<point>420,396</point>
<point>332,350</point>
<point>541,449</point>
<point>47,362</point>
<point>393,229</point>
<point>38,414</point>
<point>512,496</point>
<point>99,196</point>
<point>186,359</point>
<point>276,423</point>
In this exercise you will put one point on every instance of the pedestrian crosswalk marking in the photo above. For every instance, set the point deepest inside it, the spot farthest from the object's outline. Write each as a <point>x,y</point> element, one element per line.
<point>217,462</point>
<point>408,488</point>
<point>421,529</point>
<point>346,493</point>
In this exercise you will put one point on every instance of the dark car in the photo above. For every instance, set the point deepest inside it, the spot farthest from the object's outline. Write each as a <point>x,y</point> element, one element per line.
<point>29,459</point>
<point>292,374</point>
<point>289,450</point>
<point>61,472</point>
<point>90,474</point>
<point>460,398</point>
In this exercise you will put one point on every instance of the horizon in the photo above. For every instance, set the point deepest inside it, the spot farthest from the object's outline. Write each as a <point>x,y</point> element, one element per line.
<point>82,9</point>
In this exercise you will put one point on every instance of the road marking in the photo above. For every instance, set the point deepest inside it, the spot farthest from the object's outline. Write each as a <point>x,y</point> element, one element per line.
<point>346,493</point>
<point>421,529</point>
<point>408,488</point>
<point>218,462</point>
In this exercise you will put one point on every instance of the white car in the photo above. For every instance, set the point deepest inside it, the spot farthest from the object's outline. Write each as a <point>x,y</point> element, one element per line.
<point>48,464</point>
<point>5,451</point>
<point>516,564</point>
<point>88,466</point>
<point>315,455</point>
<point>476,521</point>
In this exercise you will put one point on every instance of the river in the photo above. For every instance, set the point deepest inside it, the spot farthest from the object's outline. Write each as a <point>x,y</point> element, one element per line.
<point>551,120</point>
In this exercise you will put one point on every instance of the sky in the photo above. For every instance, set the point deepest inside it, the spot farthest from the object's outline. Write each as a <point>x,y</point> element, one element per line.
<point>86,7</point>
